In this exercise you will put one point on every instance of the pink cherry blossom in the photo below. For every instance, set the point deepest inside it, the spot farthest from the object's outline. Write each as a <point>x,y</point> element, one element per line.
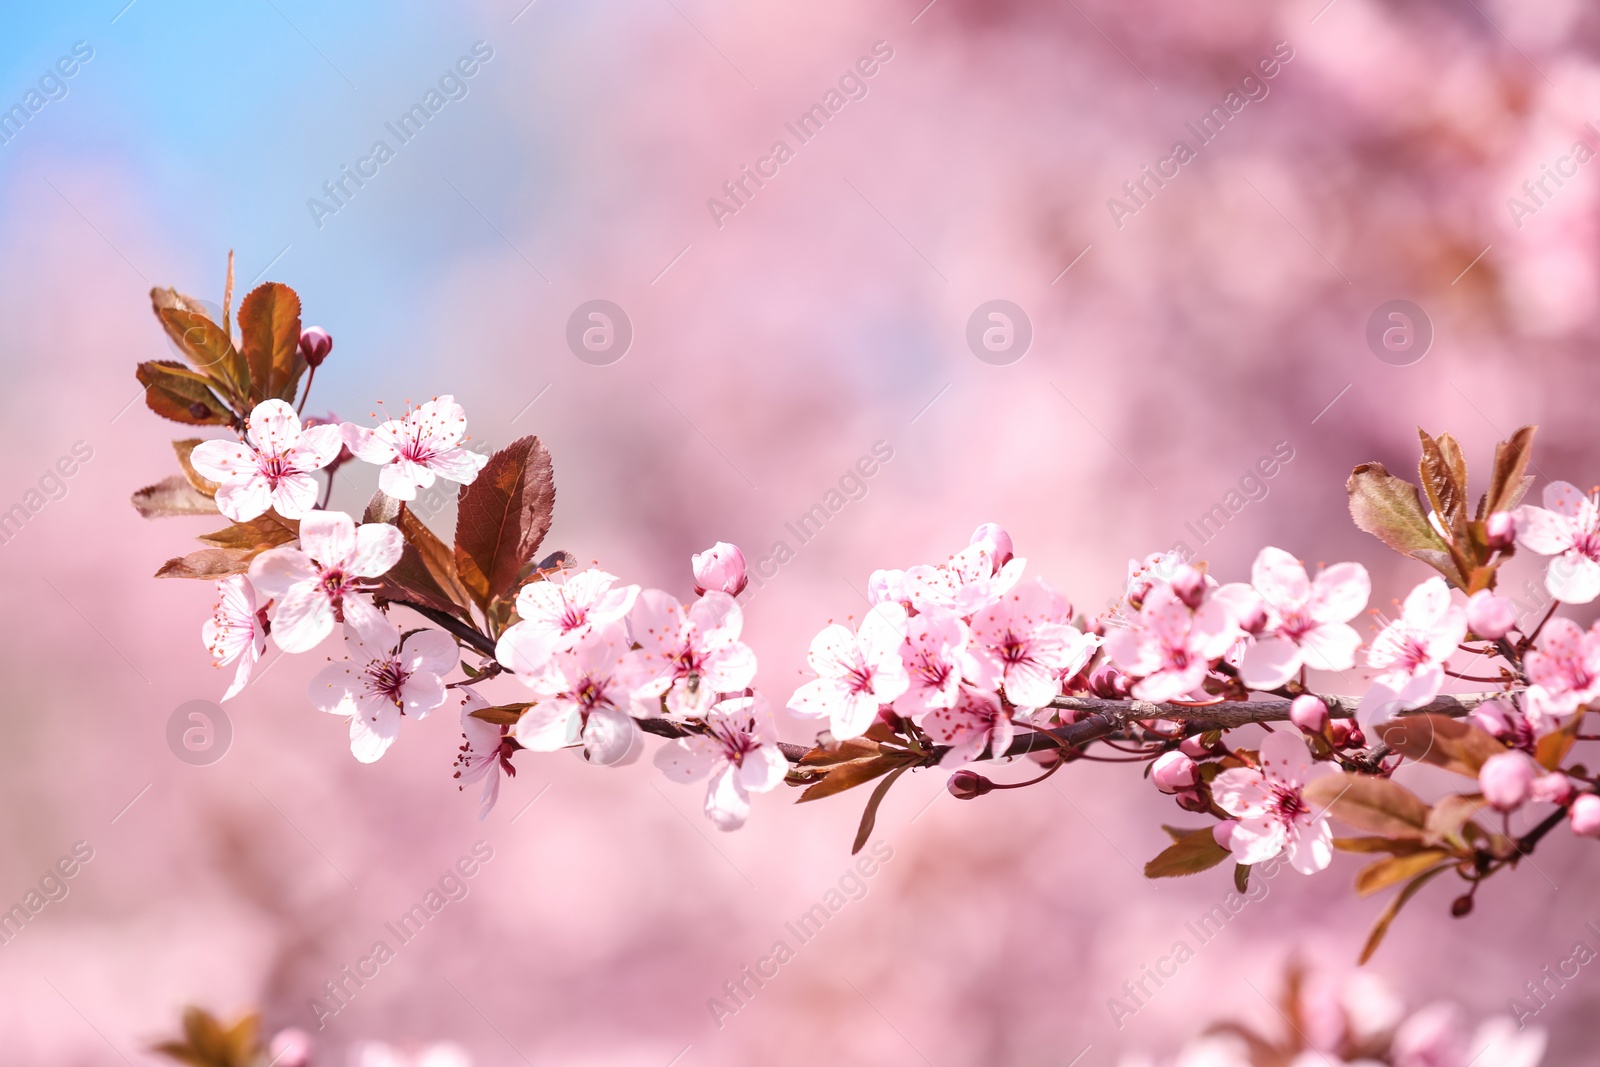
<point>1437,1036</point>
<point>1410,653</point>
<point>234,631</point>
<point>1307,620</point>
<point>485,753</point>
<point>383,681</point>
<point>692,655</point>
<point>739,753</point>
<point>888,587</point>
<point>413,450</point>
<point>1567,527</point>
<point>720,567</point>
<point>1563,668</point>
<point>1173,771</point>
<point>1027,634</point>
<point>967,583</point>
<point>933,653</point>
<point>557,612</point>
<point>975,722</point>
<point>1274,815</point>
<point>583,696</point>
<point>1171,647</point>
<point>276,473</point>
<point>857,673</point>
<point>1490,615</point>
<point>994,539</point>
<point>319,583</point>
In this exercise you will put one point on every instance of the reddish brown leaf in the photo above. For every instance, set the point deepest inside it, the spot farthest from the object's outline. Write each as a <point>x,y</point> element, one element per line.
<point>172,496</point>
<point>426,573</point>
<point>175,392</point>
<point>209,563</point>
<point>203,342</point>
<point>269,326</point>
<point>1191,852</point>
<point>1454,744</point>
<point>502,517</point>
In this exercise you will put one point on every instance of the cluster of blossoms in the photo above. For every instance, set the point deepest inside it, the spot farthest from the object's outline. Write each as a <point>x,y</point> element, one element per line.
<point>1362,1022</point>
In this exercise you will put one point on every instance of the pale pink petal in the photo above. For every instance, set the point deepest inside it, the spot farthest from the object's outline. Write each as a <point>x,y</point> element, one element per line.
<point>1572,578</point>
<point>276,570</point>
<point>295,495</point>
<point>1285,758</point>
<point>549,725</point>
<point>224,461</point>
<point>372,732</point>
<point>245,499</point>
<point>883,631</point>
<point>727,803</point>
<point>1310,846</point>
<point>853,716</point>
<point>1339,593</point>
<point>687,759</point>
<point>422,692</point>
<point>431,650</point>
<point>762,769</point>
<point>333,689</point>
<point>1270,662</point>
<point>1242,791</point>
<point>1257,839</point>
<point>1565,499</point>
<point>1280,579</point>
<point>731,668</point>
<point>459,465</point>
<point>330,537</point>
<point>657,623</point>
<point>816,699</point>
<point>318,447</point>
<point>302,618</point>
<point>397,479</point>
<point>1330,647</point>
<point>1031,685</point>
<point>1538,530</point>
<point>367,445</point>
<point>377,548</point>
<point>1426,603</point>
<point>273,427</point>
<point>833,652</point>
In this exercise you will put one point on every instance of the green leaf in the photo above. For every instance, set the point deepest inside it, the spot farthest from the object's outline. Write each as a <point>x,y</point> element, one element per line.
<point>426,573</point>
<point>175,392</point>
<point>1457,745</point>
<point>1376,805</point>
<point>502,517</point>
<point>203,342</point>
<point>1191,852</point>
<point>1379,929</point>
<point>172,496</point>
<point>1392,870</point>
<point>1390,509</point>
<point>1510,478</point>
<point>869,817</point>
<point>269,327</point>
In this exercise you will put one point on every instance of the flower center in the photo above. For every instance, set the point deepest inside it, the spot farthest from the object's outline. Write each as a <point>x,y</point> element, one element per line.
<point>387,678</point>
<point>275,468</point>
<point>1287,802</point>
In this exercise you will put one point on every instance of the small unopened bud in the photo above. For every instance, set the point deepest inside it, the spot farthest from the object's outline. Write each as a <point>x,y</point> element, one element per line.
<point>1552,788</point>
<point>994,538</point>
<point>1506,780</point>
<point>1500,531</point>
<point>1191,800</point>
<point>968,785</point>
<point>1461,906</point>
<point>1108,683</point>
<point>1490,615</point>
<point>1492,718</point>
<point>1339,732</point>
<point>1357,739</point>
<point>1173,771</point>
<point>315,344</point>
<point>719,567</point>
<point>1190,585</point>
<point>290,1048</point>
<point>1195,747</point>
<point>1585,815</point>
<point>1309,713</point>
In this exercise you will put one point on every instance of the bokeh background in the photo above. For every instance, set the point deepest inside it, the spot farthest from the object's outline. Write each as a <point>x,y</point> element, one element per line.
<point>1227,315</point>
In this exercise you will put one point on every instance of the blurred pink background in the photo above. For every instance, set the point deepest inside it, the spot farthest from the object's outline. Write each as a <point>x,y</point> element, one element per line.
<point>1227,315</point>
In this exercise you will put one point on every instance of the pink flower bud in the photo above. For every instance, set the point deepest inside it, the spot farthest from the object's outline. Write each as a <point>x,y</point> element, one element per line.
<point>315,344</point>
<point>1194,747</point>
<point>1222,833</point>
<point>1501,530</point>
<point>1339,731</point>
<point>1490,615</point>
<point>996,540</point>
<point>1190,585</point>
<point>719,567</point>
<point>1174,771</point>
<point>1506,780</point>
<point>968,785</point>
<point>1491,717</point>
<point>1191,800</point>
<point>1585,815</point>
<point>1108,683</point>
<point>1309,713</point>
<point>290,1048</point>
<point>1552,788</point>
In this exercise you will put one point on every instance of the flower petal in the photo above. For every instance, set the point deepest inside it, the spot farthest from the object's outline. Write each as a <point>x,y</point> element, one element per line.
<point>377,548</point>
<point>273,427</point>
<point>329,537</point>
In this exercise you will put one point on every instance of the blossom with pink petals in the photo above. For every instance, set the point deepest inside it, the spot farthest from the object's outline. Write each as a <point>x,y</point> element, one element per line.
<point>234,631</point>
<point>693,655</point>
<point>975,722</point>
<point>485,753</point>
<point>1568,528</point>
<point>1308,621</point>
<point>1026,634</point>
<point>1273,813</point>
<point>857,673</point>
<point>415,449</point>
<point>584,695</point>
<point>720,567</point>
<point>934,652</point>
<point>967,583</point>
<point>1563,669</point>
<point>384,680</point>
<point>276,473</point>
<point>739,753</point>
<point>320,582</point>
<point>557,612</point>
<point>1170,647</point>
<point>1410,652</point>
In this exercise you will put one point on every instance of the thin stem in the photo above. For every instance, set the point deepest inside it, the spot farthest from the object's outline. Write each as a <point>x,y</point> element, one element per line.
<point>1527,642</point>
<point>311,376</point>
<point>1470,677</point>
<point>471,636</point>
